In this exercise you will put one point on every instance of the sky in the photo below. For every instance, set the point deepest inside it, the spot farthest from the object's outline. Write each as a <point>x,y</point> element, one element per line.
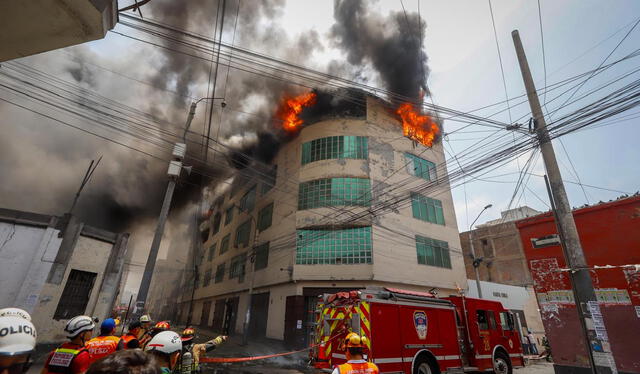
<point>46,159</point>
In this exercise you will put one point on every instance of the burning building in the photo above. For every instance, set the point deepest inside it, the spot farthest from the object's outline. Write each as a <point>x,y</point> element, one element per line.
<point>307,224</point>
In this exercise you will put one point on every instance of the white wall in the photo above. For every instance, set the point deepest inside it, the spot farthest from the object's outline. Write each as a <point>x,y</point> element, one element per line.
<point>516,298</point>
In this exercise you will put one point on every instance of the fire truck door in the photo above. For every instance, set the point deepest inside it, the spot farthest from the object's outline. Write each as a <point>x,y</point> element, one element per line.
<point>421,331</point>
<point>510,336</point>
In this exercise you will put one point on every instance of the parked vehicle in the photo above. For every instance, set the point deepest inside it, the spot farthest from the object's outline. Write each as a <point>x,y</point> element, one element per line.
<point>417,333</point>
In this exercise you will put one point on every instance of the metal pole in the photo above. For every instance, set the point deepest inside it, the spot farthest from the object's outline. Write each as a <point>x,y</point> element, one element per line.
<point>599,351</point>
<point>247,316</point>
<point>162,219</point>
<point>126,315</point>
<point>475,264</point>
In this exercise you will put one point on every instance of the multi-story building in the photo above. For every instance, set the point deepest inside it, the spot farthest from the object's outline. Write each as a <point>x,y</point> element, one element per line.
<point>312,218</point>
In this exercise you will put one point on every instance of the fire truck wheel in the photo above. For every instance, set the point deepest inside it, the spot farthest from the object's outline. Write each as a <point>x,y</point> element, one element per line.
<point>502,364</point>
<point>423,366</point>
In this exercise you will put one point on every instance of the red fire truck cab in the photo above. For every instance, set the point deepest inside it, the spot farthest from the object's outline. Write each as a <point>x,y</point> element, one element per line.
<point>417,333</point>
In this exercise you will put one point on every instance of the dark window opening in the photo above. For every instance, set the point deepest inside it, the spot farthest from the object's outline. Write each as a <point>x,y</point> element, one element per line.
<point>76,293</point>
<point>483,323</point>
<point>216,223</point>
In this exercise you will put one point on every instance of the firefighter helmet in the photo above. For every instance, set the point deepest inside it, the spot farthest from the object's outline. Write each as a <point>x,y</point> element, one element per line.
<point>20,337</point>
<point>354,340</point>
<point>162,326</point>
<point>167,342</point>
<point>188,334</point>
<point>78,324</point>
<point>15,312</point>
<point>145,319</point>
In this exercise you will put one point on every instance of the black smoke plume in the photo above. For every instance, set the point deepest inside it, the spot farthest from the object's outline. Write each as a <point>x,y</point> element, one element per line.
<point>392,45</point>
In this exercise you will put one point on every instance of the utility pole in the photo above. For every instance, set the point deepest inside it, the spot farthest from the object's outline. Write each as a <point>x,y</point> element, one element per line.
<point>175,167</point>
<point>585,297</point>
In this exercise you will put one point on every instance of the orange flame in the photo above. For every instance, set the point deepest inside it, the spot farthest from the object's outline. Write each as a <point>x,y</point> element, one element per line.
<point>291,107</point>
<point>417,126</point>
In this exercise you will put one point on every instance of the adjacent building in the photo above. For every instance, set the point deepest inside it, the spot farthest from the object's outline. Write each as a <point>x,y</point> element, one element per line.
<point>310,224</point>
<point>31,27</point>
<point>610,240</point>
<point>501,260</point>
<point>57,268</point>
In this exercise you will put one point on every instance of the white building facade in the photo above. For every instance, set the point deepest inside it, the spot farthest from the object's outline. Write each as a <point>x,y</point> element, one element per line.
<point>342,206</point>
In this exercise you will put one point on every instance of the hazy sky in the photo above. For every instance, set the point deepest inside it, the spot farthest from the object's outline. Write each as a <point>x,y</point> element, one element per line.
<point>465,75</point>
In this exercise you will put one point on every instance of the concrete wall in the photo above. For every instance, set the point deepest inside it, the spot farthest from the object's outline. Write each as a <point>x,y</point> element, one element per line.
<point>26,253</point>
<point>89,255</point>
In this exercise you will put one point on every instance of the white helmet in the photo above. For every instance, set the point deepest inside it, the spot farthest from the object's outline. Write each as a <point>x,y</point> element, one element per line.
<point>17,336</point>
<point>145,318</point>
<point>166,342</point>
<point>78,324</point>
<point>15,312</point>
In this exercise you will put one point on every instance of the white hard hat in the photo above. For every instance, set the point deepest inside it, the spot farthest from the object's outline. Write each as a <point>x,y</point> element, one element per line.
<point>15,312</point>
<point>166,342</point>
<point>145,318</point>
<point>78,324</point>
<point>17,336</point>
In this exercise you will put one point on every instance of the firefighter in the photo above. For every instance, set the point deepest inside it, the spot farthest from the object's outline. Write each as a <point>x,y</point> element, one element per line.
<point>157,328</point>
<point>356,364</point>
<point>165,347</point>
<point>145,321</point>
<point>130,339</point>
<point>17,342</point>
<point>191,352</point>
<point>72,357</point>
<point>106,343</point>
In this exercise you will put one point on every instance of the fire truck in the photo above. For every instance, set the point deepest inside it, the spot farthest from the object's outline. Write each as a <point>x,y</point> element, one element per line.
<point>416,332</point>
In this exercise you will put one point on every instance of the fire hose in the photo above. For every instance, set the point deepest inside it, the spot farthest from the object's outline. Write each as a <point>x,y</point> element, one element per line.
<point>210,360</point>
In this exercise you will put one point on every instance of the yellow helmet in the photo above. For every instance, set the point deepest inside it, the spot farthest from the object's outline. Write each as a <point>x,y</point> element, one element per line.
<point>354,340</point>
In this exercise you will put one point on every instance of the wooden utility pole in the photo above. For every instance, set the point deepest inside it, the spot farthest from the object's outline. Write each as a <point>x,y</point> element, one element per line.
<point>585,297</point>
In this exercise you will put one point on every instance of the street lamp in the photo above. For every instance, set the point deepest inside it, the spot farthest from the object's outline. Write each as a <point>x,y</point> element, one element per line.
<point>476,260</point>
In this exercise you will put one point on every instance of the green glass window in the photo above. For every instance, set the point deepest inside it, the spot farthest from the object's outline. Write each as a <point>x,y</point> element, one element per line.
<point>220,273</point>
<point>242,234</point>
<point>236,268</point>
<point>420,167</point>
<point>265,217</point>
<point>262,256</point>
<point>334,192</point>
<point>427,209</point>
<point>269,180</point>
<point>346,246</point>
<point>228,217</point>
<point>207,278</point>
<point>433,252</point>
<point>248,201</point>
<point>212,251</point>
<point>224,244</point>
<point>335,147</point>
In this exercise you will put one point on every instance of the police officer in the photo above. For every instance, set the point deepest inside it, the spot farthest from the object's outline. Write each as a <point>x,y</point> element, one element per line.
<point>17,342</point>
<point>72,357</point>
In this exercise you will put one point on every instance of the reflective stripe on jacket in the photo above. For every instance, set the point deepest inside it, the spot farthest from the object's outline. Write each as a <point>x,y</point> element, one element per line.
<point>61,359</point>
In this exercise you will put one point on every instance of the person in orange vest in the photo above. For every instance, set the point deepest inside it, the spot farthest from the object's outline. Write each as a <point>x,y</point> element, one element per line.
<point>106,343</point>
<point>72,357</point>
<point>356,364</point>
<point>130,339</point>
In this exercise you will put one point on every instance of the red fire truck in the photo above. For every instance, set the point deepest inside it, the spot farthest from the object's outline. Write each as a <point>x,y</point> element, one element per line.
<point>417,333</point>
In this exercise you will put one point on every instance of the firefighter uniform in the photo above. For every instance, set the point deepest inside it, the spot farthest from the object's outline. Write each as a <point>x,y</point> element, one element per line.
<point>69,358</point>
<point>357,367</point>
<point>102,346</point>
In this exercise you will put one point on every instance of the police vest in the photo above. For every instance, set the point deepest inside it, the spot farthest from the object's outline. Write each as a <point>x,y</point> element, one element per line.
<point>102,346</point>
<point>62,359</point>
<point>358,368</point>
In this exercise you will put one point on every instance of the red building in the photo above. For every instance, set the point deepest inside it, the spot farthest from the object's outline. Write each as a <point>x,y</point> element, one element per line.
<point>610,235</point>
